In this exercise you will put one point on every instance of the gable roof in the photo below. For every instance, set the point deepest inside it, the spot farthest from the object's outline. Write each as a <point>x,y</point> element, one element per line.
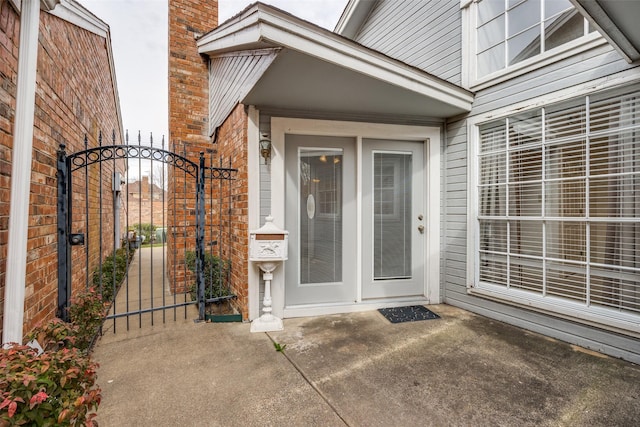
<point>316,69</point>
<point>617,21</point>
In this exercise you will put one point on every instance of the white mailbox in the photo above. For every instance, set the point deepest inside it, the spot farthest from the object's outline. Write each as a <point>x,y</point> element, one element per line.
<point>268,248</point>
<point>268,243</point>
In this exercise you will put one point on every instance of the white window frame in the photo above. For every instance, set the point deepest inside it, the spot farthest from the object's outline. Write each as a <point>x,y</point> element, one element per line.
<point>626,323</point>
<point>469,58</point>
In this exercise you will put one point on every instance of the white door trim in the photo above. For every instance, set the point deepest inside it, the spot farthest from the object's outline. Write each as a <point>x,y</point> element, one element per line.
<point>430,135</point>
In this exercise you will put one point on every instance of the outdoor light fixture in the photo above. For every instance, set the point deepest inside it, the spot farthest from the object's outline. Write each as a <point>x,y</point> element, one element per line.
<point>265,146</point>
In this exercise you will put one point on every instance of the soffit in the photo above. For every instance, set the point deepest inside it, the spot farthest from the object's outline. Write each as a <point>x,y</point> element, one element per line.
<point>317,70</point>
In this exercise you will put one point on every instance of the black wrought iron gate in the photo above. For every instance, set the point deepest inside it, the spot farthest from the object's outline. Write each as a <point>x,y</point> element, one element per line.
<point>147,242</point>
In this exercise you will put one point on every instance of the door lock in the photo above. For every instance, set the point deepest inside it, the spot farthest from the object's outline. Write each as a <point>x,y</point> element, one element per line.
<point>421,229</point>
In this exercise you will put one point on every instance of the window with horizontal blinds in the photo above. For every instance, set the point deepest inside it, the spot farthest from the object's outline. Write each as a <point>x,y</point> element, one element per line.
<point>558,193</point>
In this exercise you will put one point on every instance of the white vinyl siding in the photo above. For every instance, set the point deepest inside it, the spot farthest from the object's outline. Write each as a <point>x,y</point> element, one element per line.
<point>558,204</point>
<point>569,72</point>
<point>399,29</point>
<point>231,76</point>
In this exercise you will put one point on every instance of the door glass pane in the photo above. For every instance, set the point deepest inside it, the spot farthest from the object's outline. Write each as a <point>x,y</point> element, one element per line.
<point>320,213</point>
<point>391,215</point>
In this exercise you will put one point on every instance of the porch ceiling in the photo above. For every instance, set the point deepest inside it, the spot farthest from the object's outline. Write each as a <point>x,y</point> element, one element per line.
<point>317,70</point>
<point>299,81</point>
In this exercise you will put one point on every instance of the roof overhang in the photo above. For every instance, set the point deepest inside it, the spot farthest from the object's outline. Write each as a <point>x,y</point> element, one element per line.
<point>617,21</point>
<point>353,16</point>
<point>322,71</point>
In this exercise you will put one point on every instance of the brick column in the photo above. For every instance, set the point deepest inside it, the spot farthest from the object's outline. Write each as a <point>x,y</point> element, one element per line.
<point>188,123</point>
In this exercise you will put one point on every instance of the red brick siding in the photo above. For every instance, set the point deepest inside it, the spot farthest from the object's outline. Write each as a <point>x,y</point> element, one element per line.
<point>74,97</point>
<point>232,144</point>
<point>188,123</point>
<point>188,127</point>
<point>146,204</point>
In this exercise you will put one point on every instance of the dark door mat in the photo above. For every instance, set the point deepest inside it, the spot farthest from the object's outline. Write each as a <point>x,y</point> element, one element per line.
<point>410,313</point>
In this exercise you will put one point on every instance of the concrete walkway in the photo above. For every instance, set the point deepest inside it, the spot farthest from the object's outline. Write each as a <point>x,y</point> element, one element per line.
<point>359,370</point>
<point>147,288</point>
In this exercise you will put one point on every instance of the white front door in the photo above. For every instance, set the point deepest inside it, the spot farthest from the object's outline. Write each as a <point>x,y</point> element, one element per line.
<point>393,219</point>
<point>320,215</point>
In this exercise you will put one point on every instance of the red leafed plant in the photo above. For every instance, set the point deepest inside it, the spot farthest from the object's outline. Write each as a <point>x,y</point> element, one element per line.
<point>54,388</point>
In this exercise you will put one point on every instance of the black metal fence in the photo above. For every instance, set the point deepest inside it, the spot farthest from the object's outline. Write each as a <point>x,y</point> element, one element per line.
<point>145,226</point>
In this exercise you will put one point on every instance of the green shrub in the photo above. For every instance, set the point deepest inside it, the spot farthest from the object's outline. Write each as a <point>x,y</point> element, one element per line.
<point>216,275</point>
<point>54,388</point>
<point>147,230</point>
<point>86,312</point>
<point>105,281</point>
<point>54,335</point>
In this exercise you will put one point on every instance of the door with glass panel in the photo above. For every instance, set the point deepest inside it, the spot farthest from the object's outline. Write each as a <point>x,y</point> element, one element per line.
<point>393,219</point>
<point>321,219</point>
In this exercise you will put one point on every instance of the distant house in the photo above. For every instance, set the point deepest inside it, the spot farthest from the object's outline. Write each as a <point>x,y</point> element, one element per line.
<point>146,203</point>
<point>57,85</point>
<point>483,154</point>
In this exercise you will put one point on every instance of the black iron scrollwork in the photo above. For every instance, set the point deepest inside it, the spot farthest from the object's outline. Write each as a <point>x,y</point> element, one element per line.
<point>99,154</point>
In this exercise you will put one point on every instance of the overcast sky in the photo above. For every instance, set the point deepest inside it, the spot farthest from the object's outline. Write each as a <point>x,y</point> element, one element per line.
<point>139,40</point>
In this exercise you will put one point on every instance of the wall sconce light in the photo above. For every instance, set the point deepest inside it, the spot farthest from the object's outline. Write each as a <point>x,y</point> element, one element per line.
<point>265,147</point>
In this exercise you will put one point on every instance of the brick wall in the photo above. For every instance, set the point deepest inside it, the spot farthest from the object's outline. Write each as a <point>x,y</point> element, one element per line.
<point>232,145</point>
<point>74,97</point>
<point>188,123</point>
<point>188,127</point>
<point>146,204</point>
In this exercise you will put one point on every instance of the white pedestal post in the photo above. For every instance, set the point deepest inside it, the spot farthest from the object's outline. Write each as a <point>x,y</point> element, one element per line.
<point>267,322</point>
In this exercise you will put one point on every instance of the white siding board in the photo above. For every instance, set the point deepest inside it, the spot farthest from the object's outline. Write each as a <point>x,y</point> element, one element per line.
<point>456,155</point>
<point>231,77</point>
<point>419,36</point>
<point>423,34</point>
<point>576,70</point>
<point>584,336</point>
<point>265,172</point>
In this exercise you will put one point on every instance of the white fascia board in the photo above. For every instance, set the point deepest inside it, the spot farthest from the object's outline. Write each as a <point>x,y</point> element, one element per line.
<point>76,14</point>
<point>598,17</point>
<point>245,36</point>
<point>45,5</point>
<point>353,16</point>
<point>241,25</point>
<point>263,24</point>
<point>114,82</point>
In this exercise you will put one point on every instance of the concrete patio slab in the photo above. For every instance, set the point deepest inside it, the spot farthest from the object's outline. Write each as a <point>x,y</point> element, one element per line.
<point>360,370</point>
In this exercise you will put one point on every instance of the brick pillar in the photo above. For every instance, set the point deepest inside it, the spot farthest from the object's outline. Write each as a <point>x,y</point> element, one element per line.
<point>188,123</point>
<point>188,77</point>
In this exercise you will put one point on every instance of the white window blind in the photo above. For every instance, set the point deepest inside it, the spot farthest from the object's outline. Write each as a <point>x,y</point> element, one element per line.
<point>559,202</point>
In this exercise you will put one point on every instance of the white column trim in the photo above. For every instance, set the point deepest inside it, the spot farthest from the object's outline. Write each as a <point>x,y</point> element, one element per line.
<point>432,262</point>
<point>277,207</point>
<point>14,292</point>
<point>253,190</point>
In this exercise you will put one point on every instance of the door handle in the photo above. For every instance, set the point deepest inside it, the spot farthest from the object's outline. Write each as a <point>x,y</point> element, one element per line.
<point>421,229</point>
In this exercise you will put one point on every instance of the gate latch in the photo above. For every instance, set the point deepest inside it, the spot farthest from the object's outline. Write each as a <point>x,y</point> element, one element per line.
<point>76,239</point>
